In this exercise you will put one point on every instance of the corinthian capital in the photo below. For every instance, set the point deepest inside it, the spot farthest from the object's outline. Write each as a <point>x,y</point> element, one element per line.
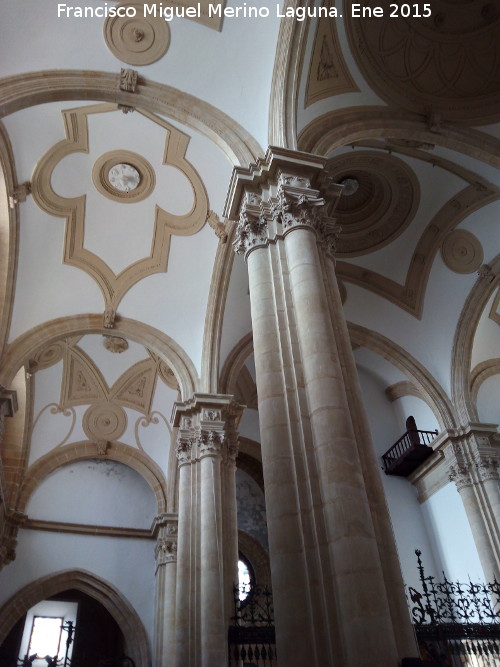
<point>487,468</point>
<point>251,231</point>
<point>460,474</point>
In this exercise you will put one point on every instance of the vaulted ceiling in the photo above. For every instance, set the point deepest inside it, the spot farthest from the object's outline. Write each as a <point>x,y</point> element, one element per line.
<point>120,287</point>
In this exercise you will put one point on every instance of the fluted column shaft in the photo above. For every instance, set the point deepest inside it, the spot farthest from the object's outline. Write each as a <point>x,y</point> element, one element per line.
<point>207,441</point>
<point>213,622</point>
<point>166,573</point>
<point>474,469</point>
<point>335,603</point>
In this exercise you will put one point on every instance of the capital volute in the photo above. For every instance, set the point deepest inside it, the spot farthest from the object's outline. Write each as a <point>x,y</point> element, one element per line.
<point>165,551</point>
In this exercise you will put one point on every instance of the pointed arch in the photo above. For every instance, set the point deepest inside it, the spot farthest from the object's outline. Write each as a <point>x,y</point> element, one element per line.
<point>135,635</point>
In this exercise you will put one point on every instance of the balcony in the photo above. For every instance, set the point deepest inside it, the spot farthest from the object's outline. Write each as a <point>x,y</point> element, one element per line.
<point>410,451</point>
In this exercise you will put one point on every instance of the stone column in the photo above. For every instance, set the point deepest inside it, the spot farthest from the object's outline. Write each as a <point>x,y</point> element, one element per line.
<point>207,527</point>
<point>166,571</point>
<point>473,467</point>
<point>335,603</point>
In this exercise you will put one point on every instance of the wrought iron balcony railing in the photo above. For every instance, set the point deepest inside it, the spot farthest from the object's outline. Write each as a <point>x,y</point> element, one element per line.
<point>408,452</point>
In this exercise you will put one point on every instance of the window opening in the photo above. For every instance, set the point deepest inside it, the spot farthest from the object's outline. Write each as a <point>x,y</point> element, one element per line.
<point>45,636</point>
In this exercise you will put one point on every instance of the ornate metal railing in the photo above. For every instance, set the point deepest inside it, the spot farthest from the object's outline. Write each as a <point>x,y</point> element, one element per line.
<point>408,452</point>
<point>456,619</point>
<point>251,636</point>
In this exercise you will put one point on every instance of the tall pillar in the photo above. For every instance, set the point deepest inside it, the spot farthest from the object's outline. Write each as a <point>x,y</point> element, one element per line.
<point>166,572</point>
<point>207,557</point>
<point>335,603</point>
<point>474,469</point>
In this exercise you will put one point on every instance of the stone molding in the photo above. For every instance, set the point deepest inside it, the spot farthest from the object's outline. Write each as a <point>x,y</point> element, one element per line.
<point>343,127</point>
<point>472,309</point>
<point>22,91</point>
<point>288,63</point>
<point>431,391</point>
<point>480,374</point>
<point>34,341</point>
<point>114,286</point>
<point>9,236</point>
<point>403,388</point>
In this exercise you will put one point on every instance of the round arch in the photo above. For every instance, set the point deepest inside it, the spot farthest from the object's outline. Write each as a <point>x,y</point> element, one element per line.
<point>80,451</point>
<point>461,355</point>
<point>129,622</point>
<point>430,390</point>
<point>336,129</point>
<point>32,88</point>
<point>28,344</point>
<point>234,362</point>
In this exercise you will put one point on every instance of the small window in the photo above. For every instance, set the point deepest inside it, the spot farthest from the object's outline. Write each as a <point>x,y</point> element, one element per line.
<point>246,578</point>
<point>45,636</point>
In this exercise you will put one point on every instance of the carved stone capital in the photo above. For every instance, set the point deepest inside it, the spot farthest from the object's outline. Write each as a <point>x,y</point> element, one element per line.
<point>184,450</point>
<point>251,230</point>
<point>487,468</point>
<point>210,444</point>
<point>165,551</point>
<point>460,474</point>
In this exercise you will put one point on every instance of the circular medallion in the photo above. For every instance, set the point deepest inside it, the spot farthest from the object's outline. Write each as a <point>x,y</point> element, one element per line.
<point>104,422</point>
<point>462,252</point>
<point>139,39</point>
<point>380,202</point>
<point>123,176</point>
<point>50,355</point>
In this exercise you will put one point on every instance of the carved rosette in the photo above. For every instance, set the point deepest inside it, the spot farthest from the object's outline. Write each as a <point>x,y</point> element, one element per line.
<point>165,551</point>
